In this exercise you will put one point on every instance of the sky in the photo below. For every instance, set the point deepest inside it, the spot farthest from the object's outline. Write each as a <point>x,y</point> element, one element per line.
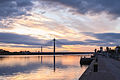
<point>77,25</point>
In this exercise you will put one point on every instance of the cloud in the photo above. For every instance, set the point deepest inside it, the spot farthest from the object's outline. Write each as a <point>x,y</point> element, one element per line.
<point>103,39</point>
<point>93,6</point>
<point>107,36</point>
<point>33,42</point>
<point>67,42</point>
<point>26,41</point>
<point>59,43</point>
<point>104,36</point>
<point>13,8</point>
<point>13,38</point>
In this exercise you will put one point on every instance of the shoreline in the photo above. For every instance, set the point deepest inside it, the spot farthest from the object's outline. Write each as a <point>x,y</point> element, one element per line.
<point>50,53</point>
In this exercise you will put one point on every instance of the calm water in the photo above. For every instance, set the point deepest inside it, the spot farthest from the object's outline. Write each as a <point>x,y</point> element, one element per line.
<point>67,67</point>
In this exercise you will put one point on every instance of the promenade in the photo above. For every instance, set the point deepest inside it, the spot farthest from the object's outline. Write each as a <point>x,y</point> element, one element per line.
<point>108,69</point>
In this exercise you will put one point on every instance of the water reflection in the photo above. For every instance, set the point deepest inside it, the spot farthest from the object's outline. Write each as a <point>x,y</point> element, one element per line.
<point>41,59</point>
<point>41,67</point>
<point>54,63</point>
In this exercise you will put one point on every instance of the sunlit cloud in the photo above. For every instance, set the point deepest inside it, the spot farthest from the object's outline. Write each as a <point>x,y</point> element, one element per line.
<point>67,20</point>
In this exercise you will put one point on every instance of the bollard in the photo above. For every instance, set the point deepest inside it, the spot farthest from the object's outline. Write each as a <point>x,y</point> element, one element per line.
<point>95,67</point>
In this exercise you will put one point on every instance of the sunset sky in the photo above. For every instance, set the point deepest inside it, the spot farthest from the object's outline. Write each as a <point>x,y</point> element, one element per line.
<point>80,25</point>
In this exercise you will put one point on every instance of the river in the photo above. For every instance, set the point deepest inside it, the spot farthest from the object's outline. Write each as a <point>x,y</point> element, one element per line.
<point>65,67</point>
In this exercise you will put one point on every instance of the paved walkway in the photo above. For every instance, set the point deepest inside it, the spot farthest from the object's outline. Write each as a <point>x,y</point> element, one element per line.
<point>108,69</point>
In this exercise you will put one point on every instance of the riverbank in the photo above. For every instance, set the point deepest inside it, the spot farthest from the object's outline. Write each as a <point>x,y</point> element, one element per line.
<point>46,53</point>
<point>108,69</point>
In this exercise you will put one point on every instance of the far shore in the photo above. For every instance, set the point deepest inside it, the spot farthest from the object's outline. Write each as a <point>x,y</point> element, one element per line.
<point>47,53</point>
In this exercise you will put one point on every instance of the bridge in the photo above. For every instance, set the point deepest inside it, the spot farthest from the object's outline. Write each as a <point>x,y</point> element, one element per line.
<point>57,43</point>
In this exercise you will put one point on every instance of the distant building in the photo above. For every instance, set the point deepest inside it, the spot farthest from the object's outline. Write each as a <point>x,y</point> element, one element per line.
<point>101,49</point>
<point>25,52</point>
<point>3,51</point>
<point>107,49</point>
<point>95,50</point>
<point>117,49</point>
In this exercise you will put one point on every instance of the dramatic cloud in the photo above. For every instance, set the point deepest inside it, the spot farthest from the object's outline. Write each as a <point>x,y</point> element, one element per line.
<point>19,39</point>
<point>93,6</point>
<point>64,20</point>
<point>13,8</point>
<point>67,42</point>
<point>33,42</point>
<point>104,39</point>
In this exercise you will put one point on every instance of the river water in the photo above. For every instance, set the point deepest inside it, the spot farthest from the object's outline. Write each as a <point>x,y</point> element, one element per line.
<point>65,67</point>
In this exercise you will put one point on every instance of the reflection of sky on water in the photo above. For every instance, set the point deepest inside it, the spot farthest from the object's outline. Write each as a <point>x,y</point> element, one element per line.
<point>41,68</point>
